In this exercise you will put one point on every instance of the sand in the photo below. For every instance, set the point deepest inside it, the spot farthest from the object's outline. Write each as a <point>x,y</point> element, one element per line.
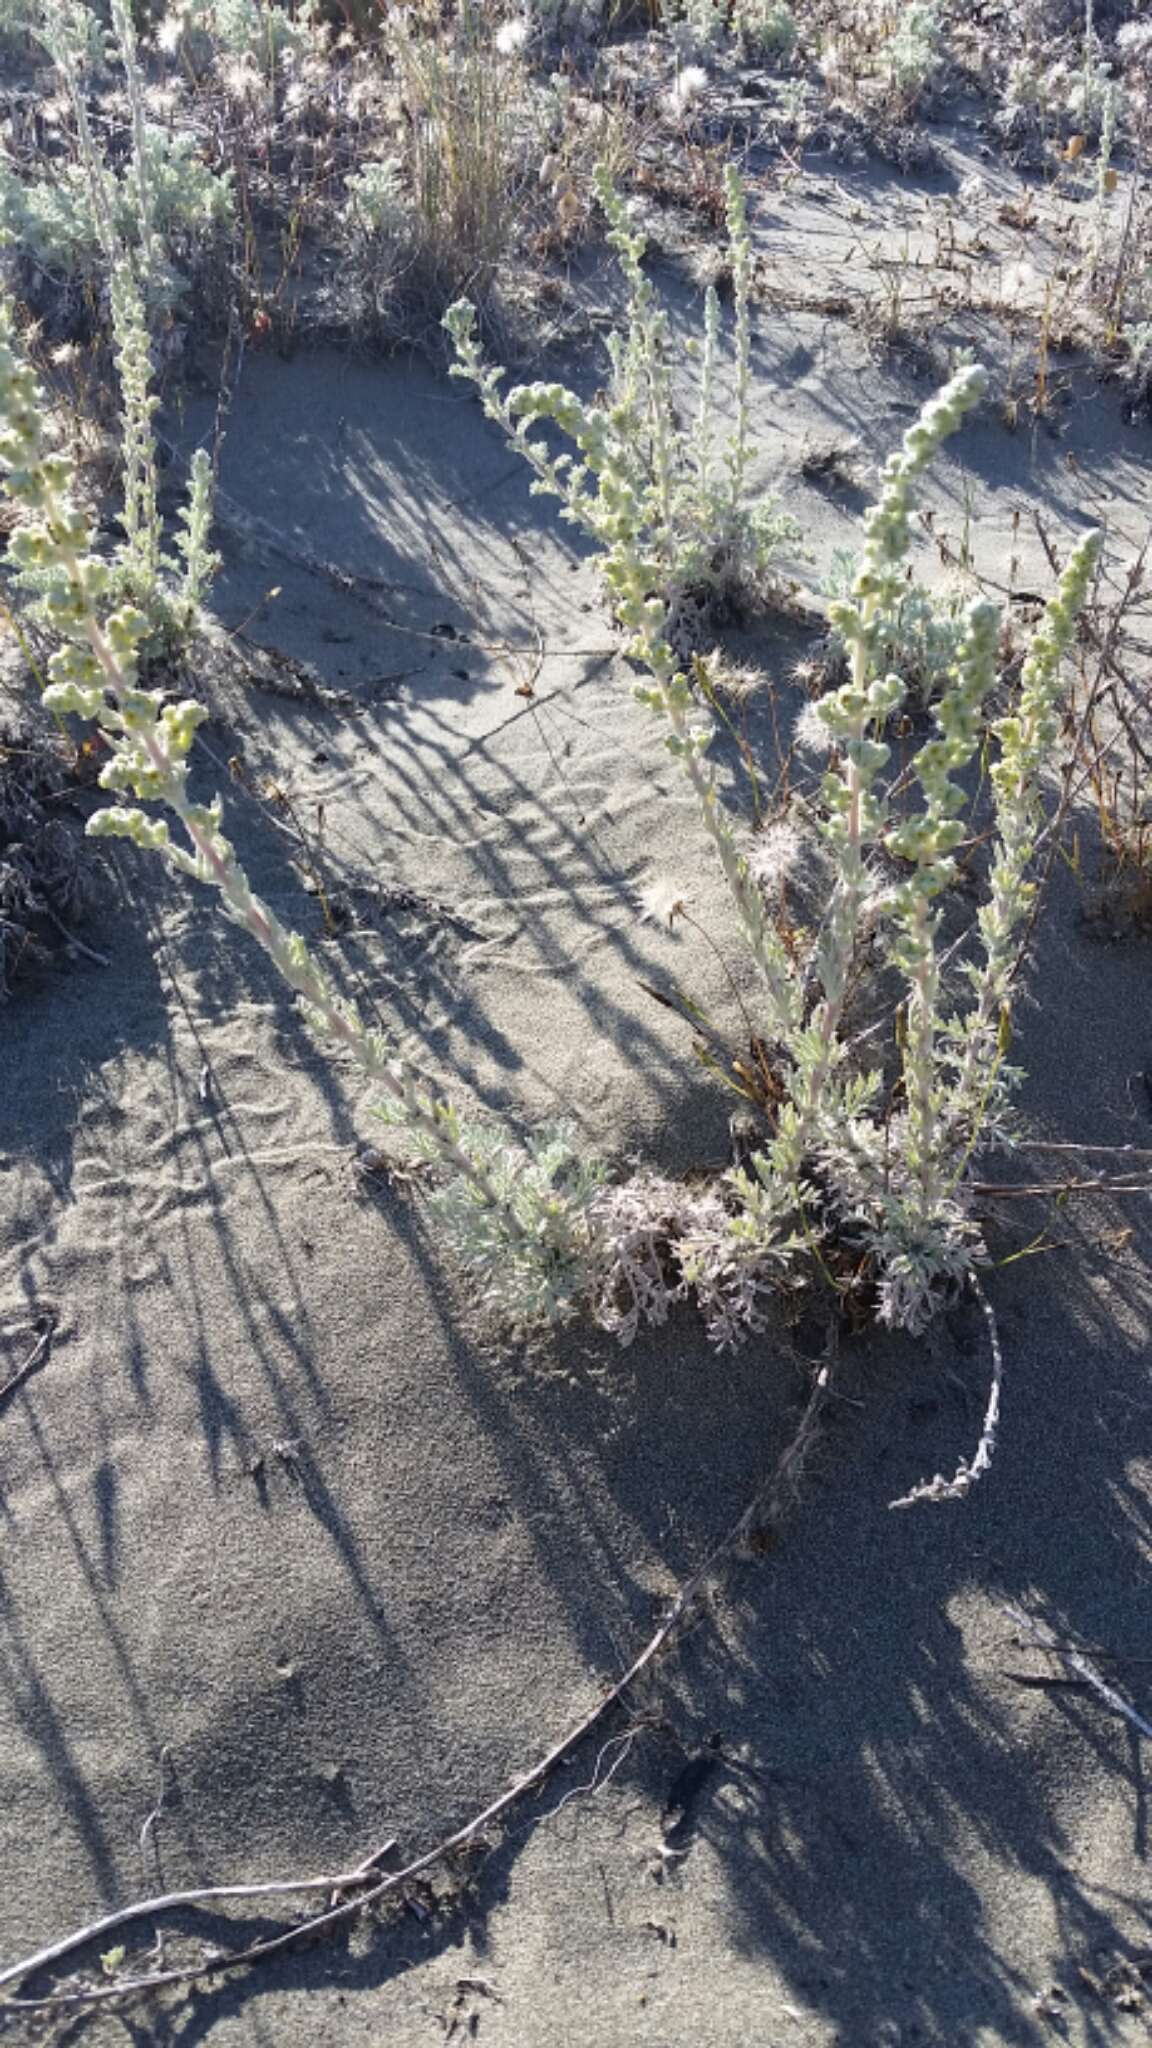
<point>301,1550</point>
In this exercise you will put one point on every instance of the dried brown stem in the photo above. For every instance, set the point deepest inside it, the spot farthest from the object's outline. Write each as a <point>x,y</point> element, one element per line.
<point>767,1506</point>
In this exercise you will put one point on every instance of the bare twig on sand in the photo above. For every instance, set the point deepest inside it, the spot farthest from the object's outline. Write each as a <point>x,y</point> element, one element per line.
<point>77,945</point>
<point>171,1902</point>
<point>967,1474</point>
<point>1058,1189</point>
<point>766,1508</point>
<point>1077,1662</point>
<point>38,1356</point>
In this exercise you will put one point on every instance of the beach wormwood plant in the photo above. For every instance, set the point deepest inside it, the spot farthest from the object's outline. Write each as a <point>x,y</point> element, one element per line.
<point>168,588</point>
<point>518,1223</point>
<point>845,1157</point>
<point>80,217</point>
<point>681,492</point>
<point>846,1160</point>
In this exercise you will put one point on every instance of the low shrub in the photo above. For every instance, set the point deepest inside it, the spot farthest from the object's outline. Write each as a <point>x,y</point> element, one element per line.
<point>859,1166</point>
<point>681,493</point>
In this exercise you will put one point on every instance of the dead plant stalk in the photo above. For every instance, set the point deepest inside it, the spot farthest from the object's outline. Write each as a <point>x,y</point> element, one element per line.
<point>767,1508</point>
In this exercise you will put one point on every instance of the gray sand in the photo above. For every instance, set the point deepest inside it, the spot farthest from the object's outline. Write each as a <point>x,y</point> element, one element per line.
<point>286,1509</point>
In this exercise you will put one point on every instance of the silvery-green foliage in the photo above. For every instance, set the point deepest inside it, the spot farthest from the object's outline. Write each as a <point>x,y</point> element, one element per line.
<point>767,28</point>
<point>1137,341</point>
<point>1024,738</point>
<point>827,1099</point>
<point>1039,97</point>
<point>737,1254</point>
<point>900,1189</point>
<point>1133,44</point>
<point>567,17</point>
<point>677,495</point>
<point>54,220</point>
<point>256,29</point>
<point>918,636</point>
<point>166,589</point>
<point>16,20</point>
<point>139,179</point>
<point>1101,256</point>
<point>374,203</point>
<point>903,1215</point>
<point>140,555</point>
<point>525,1205</point>
<point>169,589</point>
<point>379,225</point>
<point>188,199</point>
<point>71,31</point>
<point>193,543</point>
<point>697,25</point>
<point>840,1160</point>
<point>886,54</point>
<point>728,1248</point>
<point>51,219</point>
<point>921,1259</point>
<point>912,53</point>
<point>547,1184</point>
<point>72,36</point>
<point>1024,102</point>
<point>80,217</point>
<point>251,28</point>
<point>1092,98</point>
<point>165,203</point>
<point>636,1225</point>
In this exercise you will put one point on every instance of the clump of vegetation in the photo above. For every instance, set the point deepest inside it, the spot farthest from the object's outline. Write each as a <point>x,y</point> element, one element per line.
<point>246,30</point>
<point>469,162</point>
<point>884,60</point>
<point>918,636</point>
<point>428,155</point>
<point>849,1158</point>
<point>476,161</point>
<point>77,214</point>
<point>864,1150</point>
<point>46,884</point>
<point>170,588</point>
<point>167,585</point>
<point>682,493</point>
<point>94,674</point>
<point>861,1163</point>
<point>766,29</point>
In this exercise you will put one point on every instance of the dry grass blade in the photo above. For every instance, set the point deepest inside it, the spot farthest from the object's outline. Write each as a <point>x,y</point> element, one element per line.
<point>463,105</point>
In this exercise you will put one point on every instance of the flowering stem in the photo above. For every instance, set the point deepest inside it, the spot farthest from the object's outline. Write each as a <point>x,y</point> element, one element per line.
<point>740,253</point>
<point>94,674</point>
<point>919,1058</point>
<point>1026,736</point>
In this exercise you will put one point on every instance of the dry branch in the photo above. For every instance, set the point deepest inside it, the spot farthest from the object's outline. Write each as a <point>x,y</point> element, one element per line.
<point>38,1356</point>
<point>1086,1672</point>
<point>767,1506</point>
